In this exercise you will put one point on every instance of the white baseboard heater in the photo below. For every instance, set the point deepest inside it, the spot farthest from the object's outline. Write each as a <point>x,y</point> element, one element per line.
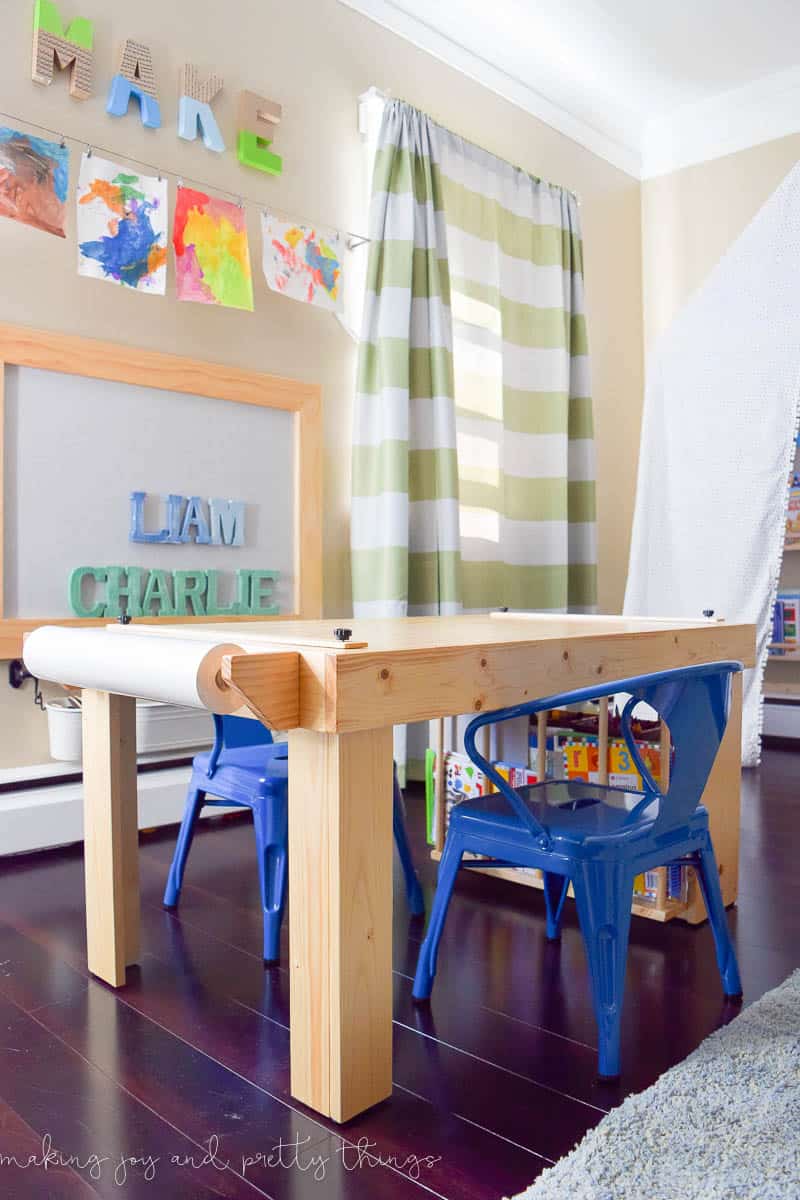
<point>41,805</point>
<point>781,716</point>
<point>40,818</point>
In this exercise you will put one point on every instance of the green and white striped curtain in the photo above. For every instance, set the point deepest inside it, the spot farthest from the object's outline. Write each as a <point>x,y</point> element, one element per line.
<point>404,520</point>
<point>473,457</point>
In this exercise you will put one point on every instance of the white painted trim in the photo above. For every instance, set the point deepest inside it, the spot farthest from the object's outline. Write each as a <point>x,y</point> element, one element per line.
<point>385,13</point>
<point>731,121</point>
<point>725,124</point>
<point>52,769</point>
<point>40,818</point>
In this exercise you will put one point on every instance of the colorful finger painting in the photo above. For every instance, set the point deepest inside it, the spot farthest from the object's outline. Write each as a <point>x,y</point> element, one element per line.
<point>212,254</point>
<point>303,263</point>
<point>33,180</point>
<point>122,226</point>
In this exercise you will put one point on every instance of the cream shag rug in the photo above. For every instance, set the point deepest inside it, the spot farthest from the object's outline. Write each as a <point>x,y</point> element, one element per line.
<point>722,1125</point>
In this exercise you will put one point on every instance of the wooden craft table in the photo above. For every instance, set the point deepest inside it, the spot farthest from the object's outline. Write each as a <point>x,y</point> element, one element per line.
<point>339,702</point>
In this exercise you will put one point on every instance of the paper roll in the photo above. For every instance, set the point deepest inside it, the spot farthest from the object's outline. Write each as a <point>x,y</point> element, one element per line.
<point>129,663</point>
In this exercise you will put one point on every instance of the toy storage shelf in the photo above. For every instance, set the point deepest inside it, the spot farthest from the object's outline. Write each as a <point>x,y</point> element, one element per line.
<point>781,689</point>
<point>661,908</point>
<point>654,911</point>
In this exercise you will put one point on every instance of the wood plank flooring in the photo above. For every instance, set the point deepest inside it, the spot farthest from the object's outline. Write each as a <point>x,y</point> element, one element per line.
<point>178,1085</point>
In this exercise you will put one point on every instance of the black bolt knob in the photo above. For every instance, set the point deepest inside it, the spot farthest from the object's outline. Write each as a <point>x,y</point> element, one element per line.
<point>708,612</point>
<point>124,619</point>
<point>343,635</point>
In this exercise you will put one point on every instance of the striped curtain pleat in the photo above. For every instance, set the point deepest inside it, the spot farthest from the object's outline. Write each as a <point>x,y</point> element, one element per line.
<point>521,369</point>
<point>404,524</point>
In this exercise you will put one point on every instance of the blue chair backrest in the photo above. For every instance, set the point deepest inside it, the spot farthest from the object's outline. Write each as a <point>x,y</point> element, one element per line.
<point>694,702</point>
<point>230,732</point>
<point>241,731</point>
<point>695,709</point>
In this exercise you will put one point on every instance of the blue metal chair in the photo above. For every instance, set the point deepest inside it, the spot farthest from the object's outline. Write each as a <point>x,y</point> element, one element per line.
<point>245,768</point>
<point>599,838</point>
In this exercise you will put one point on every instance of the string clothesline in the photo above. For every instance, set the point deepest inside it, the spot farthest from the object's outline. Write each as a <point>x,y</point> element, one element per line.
<point>354,240</point>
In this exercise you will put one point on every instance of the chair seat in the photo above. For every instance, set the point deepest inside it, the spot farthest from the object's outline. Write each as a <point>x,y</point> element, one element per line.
<point>572,811</point>
<point>242,771</point>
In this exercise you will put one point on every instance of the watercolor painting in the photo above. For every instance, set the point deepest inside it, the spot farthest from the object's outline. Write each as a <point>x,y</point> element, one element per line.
<point>122,226</point>
<point>33,181</point>
<point>212,254</point>
<point>303,263</point>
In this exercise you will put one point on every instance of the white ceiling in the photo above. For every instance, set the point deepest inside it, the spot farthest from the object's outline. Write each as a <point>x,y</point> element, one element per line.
<point>650,85</point>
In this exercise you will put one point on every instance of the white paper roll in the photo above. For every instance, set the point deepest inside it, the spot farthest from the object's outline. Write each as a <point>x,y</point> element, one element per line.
<point>129,663</point>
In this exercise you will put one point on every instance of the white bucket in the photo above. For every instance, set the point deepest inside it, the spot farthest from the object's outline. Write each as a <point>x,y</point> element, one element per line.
<point>159,727</point>
<point>64,730</point>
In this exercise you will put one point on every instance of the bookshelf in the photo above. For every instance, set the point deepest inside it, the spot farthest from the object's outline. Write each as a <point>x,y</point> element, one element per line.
<point>782,679</point>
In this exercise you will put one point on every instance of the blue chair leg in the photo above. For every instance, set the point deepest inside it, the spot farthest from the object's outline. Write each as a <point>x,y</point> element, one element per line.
<point>603,894</point>
<point>555,893</point>
<point>708,875</point>
<point>416,903</point>
<point>270,823</point>
<point>194,804</point>
<point>448,869</point>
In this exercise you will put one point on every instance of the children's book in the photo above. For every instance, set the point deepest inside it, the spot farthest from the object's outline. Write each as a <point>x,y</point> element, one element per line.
<point>793,513</point>
<point>777,624</point>
<point>462,781</point>
<point>790,603</point>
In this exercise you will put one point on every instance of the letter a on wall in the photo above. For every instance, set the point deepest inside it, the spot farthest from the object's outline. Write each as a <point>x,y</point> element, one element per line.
<point>258,120</point>
<point>135,77</point>
<point>71,50</point>
<point>194,108</point>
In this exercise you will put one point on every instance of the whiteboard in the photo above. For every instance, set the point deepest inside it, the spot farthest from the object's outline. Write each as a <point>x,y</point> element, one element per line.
<point>74,450</point>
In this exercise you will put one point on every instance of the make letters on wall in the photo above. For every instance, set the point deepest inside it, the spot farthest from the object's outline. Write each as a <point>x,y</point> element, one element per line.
<point>110,591</point>
<point>71,49</point>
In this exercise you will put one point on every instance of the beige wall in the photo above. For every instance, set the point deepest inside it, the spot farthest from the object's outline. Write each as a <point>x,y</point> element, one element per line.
<point>317,75</point>
<point>691,217</point>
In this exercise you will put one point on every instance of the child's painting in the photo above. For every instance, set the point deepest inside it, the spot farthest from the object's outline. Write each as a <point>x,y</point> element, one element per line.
<point>122,226</point>
<point>303,263</point>
<point>212,254</point>
<point>34,175</point>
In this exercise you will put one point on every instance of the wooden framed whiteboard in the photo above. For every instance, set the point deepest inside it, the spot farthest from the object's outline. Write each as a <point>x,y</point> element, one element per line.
<point>285,411</point>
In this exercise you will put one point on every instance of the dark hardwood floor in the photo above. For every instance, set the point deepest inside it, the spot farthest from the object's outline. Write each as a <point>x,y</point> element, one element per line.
<point>178,1086</point>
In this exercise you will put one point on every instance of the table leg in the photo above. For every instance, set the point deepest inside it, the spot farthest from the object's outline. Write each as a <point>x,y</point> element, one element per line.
<point>110,834</point>
<point>722,798</point>
<point>340,919</point>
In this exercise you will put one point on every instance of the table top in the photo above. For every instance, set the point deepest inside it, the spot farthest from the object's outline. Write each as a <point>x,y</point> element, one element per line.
<point>382,636</point>
<point>417,668</point>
